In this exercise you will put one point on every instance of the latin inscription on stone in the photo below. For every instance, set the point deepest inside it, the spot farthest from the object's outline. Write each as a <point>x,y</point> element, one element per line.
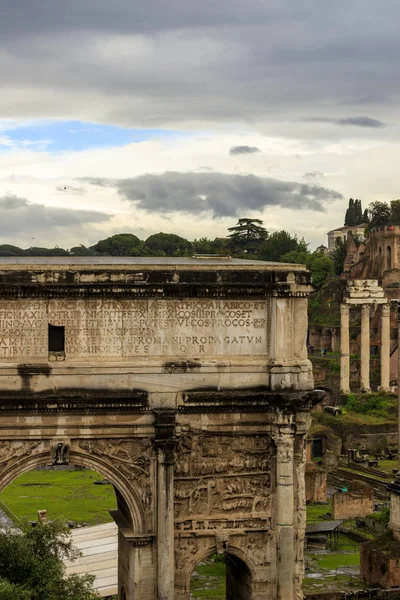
<point>120,329</point>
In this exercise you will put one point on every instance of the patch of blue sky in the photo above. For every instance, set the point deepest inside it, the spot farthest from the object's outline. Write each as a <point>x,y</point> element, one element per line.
<point>67,136</point>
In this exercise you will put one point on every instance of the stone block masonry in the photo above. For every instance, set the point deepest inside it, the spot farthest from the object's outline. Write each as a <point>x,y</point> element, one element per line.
<point>186,383</point>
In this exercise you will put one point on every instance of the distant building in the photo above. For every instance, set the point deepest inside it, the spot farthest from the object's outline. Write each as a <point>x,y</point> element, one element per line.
<point>342,234</point>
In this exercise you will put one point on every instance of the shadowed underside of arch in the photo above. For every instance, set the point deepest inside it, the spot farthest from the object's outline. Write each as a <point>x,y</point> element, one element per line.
<point>240,572</point>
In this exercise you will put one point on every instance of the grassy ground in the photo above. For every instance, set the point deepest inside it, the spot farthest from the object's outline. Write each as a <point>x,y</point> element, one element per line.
<point>388,466</point>
<point>336,569</point>
<point>316,512</point>
<point>68,495</point>
<point>208,580</point>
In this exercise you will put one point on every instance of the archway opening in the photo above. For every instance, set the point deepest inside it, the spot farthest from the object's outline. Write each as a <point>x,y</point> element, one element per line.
<point>80,497</point>
<point>327,340</point>
<point>238,579</point>
<point>222,577</point>
<point>388,258</point>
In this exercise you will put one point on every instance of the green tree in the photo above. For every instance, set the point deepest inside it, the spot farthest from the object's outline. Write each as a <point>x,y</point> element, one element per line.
<point>168,244</point>
<point>299,257</point>
<point>395,212</point>
<point>121,244</point>
<point>321,267</point>
<point>9,250</point>
<point>247,236</point>
<point>354,213</point>
<point>31,565</point>
<point>350,214</point>
<point>338,256</point>
<point>379,214</point>
<point>37,251</point>
<point>279,244</point>
<point>206,246</point>
<point>81,250</point>
<point>10,591</point>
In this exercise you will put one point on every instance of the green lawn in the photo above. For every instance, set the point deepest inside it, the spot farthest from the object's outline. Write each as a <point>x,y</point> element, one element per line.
<point>208,580</point>
<point>68,495</point>
<point>315,512</point>
<point>388,466</point>
<point>336,569</point>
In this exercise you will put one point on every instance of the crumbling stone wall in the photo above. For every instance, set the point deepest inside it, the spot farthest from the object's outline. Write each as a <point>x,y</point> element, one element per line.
<point>350,505</point>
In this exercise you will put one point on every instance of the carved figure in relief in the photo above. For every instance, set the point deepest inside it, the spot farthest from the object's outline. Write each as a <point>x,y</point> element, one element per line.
<point>192,496</point>
<point>60,453</point>
<point>211,455</point>
<point>246,494</point>
<point>186,549</point>
<point>10,451</point>
<point>130,453</point>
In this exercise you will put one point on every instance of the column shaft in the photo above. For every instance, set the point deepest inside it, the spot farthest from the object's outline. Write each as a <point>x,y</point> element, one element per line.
<point>385,348</point>
<point>165,525</point>
<point>284,514</point>
<point>365,348</point>
<point>165,442</point>
<point>344,349</point>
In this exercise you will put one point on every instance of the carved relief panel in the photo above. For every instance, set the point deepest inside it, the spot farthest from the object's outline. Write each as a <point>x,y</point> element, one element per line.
<point>11,452</point>
<point>131,458</point>
<point>222,481</point>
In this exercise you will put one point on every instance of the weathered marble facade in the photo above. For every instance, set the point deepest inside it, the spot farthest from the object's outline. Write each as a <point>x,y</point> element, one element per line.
<point>186,383</point>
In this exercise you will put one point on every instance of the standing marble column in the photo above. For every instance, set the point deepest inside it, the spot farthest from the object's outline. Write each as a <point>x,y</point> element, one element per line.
<point>344,349</point>
<point>284,514</point>
<point>365,348</point>
<point>385,348</point>
<point>165,446</point>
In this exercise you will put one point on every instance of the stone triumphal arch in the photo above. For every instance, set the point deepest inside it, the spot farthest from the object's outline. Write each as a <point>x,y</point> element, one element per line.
<point>186,383</point>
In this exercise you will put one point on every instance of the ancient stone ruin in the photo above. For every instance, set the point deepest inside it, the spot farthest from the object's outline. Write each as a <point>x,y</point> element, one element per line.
<point>186,383</point>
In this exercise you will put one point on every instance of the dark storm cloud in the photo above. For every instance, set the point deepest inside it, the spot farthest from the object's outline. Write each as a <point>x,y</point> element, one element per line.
<point>244,150</point>
<point>222,194</point>
<point>132,15</point>
<point>19,216</point>
<point>350,121</point>
<point>164,63</point>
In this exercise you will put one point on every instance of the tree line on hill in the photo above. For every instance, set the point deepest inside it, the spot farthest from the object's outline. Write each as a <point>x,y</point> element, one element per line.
<point>376,215</point>
<point>247,239</point>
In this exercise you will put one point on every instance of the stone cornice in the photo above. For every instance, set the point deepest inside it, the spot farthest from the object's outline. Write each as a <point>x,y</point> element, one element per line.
<point>56,405</point>
<point>132,292</point>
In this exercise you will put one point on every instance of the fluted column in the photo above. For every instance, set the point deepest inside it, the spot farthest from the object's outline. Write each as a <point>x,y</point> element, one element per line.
<point>284,442</point>
<point>365,348</point>
<point>344,349</point>
<point>385,348</point>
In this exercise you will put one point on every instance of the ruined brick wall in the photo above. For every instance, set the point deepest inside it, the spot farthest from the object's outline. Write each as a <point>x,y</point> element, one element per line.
<point>351,505</point>
<point>395,516</point>
<point>315,484</point>
<point>378,568</point>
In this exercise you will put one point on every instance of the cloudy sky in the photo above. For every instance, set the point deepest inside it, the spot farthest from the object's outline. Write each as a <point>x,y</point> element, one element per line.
<point>183,116</point>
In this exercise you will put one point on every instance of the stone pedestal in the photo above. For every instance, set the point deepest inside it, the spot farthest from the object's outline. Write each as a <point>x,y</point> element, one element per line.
<point>365,348</point>
<point>344,349</point>
<point>385,348</point>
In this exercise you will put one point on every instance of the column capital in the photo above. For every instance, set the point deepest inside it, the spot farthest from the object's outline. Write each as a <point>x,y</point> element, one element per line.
<point>385,310</point>
<point>344,309</point>
<point>366,309</point>
<point>165,434</point>
<point>284,442</point>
